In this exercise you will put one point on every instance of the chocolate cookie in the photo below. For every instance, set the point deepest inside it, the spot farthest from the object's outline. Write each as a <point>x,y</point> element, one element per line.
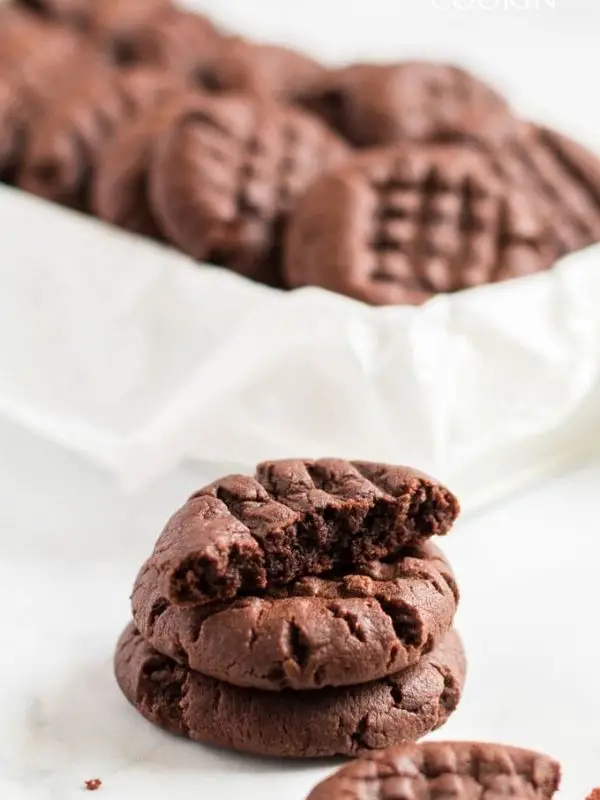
<point>19,30</point>
<point>564,177</point>
<point>37,61</point>
<point>37,53</point>
<point>61,150</point>
<point>71,12</point>
<point>228,172</point>
<point>401,224</point>
<point>328,722</point>
<point>12,116</point>
<point>316,632</point>
<point>378,104</point>
<point>180,41</point>
<point>296,518</point>
<point>120,192</point>
<point>148,88</point>
<point>114,25</point>
<point>263,69</point>
<point>444,770</point>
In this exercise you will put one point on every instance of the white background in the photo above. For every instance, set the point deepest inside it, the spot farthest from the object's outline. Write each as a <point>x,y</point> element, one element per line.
<point>545,58</point>
<point>71,544</point>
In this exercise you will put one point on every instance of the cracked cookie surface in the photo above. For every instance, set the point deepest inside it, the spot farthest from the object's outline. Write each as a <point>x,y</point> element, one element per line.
<point>443,770</point>
<point>295,518</point>
<point>342,721</point>
<point>314,633</point>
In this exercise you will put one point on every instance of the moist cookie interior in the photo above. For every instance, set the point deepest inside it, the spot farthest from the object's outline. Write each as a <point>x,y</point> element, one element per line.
<point>336,540</point>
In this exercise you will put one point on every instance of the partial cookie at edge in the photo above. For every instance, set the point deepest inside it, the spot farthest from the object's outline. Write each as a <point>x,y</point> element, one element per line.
<point>440,770</point>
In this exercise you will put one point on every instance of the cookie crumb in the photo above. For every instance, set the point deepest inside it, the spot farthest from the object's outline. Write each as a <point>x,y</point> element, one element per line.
<point>595,795</point>
<point>93,784</point>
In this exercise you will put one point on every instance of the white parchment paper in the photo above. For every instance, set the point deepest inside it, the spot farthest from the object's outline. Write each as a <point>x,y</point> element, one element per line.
<point>132,355</point>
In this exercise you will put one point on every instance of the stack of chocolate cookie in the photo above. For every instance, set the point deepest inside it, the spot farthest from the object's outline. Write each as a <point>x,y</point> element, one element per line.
<point>389,183</point>
<point>301,612</point>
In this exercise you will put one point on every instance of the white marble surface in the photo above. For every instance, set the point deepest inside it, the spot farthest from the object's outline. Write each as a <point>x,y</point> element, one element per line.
<point>70,546</point>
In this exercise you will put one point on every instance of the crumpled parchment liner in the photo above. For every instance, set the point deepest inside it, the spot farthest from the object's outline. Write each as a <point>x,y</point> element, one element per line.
<point>135,357</point>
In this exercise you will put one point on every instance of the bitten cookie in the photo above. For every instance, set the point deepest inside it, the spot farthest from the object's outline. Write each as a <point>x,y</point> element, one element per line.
<point>328,722</point>
<point>227,173</point>
<point>401,224</point>
<point>296,518</point>
<point>444,770</point>
<point>564,178</point>
<point>317,632</point>
<point>379,104</point>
